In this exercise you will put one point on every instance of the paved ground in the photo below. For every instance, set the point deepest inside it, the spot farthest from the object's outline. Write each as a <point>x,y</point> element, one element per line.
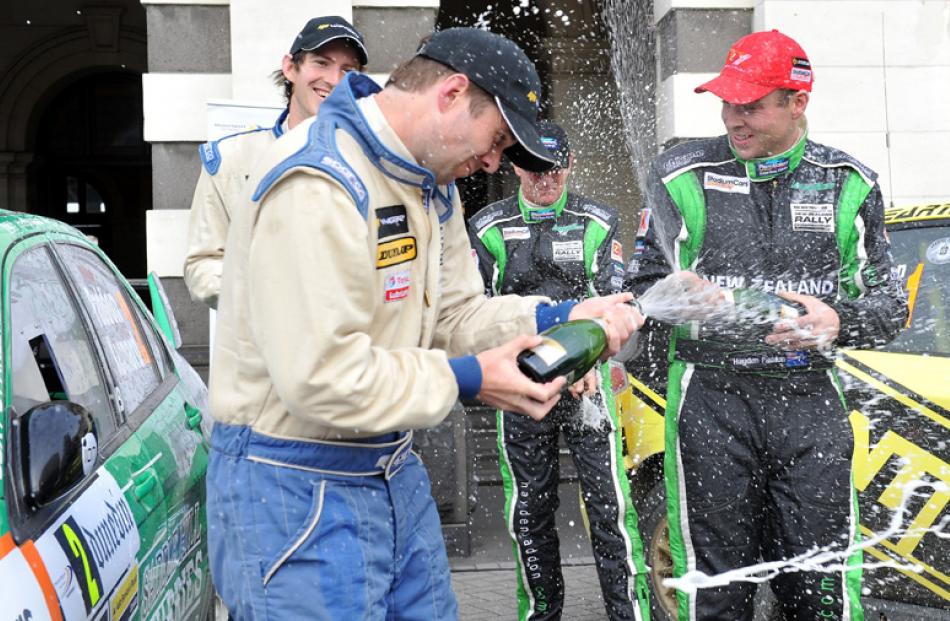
<point>484,582</point>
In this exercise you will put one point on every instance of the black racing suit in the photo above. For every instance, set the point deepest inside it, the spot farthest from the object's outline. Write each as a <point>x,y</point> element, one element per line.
<point>758,444</point>
<point>565,251</point>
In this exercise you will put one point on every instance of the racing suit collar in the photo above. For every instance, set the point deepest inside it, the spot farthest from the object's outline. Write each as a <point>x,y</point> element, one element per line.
<point>346,112</point>
<point>280,126</point>
<point>768,168</point>
<point>537,213</point>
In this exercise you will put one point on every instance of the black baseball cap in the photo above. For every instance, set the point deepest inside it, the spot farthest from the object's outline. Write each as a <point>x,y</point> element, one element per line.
<point>321,30</point>
<point>501,68</point>
<point>555,140</point>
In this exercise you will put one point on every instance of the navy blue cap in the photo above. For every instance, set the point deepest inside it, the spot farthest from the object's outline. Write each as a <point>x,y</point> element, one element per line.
<point>501,68</point>
<point>321,30</point>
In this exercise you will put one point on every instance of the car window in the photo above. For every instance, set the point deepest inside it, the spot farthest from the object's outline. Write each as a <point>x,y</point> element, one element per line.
<point>155,343</point>
<point>53,355</point>
<point>922,260</point>
<point>134,369</point>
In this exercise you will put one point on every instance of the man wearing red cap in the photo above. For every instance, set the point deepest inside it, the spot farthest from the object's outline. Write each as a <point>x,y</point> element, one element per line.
<point>758,444</point>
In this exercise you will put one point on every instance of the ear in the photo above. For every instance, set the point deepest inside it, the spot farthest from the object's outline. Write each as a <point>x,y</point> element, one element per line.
<point>451,90</point>
<point>287,67</point>
<point>799,102</point>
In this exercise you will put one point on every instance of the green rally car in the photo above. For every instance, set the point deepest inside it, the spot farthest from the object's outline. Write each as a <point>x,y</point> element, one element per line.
<point>103,441</point>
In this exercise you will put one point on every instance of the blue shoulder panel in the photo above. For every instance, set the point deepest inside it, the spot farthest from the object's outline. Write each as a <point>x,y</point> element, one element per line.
<point>210,157</point>
<point>320,153</point>
<point>211,154</point>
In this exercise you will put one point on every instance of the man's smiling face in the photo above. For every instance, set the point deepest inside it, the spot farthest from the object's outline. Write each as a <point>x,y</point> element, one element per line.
<point>316,75</point>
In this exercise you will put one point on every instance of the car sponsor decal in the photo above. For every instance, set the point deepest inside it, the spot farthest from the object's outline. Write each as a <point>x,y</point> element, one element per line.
<point>918,212</point>
<point>568,251</point>
<point>725,183</point>
<point>125,601</point>
<point>814,217</point>
<point>515,232</point>
<point>395,252</point>
<point>938,252</point>
<point>391,221</point>
<point>25,587</point>
<point>616,251</point>
<point>172,578</point>
<point>90,548</point>
<point>396,286</point>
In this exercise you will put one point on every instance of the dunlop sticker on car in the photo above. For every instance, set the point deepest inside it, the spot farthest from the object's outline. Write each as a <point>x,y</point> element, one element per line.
<point>90,548</point>
<point>395,252</point>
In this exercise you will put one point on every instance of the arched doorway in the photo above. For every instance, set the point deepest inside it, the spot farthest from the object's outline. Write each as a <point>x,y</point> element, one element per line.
<point>91,166</point>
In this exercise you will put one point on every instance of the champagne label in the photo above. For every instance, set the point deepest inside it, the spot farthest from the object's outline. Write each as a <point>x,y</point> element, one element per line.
<point>550,351</point>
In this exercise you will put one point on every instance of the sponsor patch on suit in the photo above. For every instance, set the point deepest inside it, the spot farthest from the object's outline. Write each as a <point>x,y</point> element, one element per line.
<point>515,232</point>
<point>568,250</point>
<point>396,286</point>
<point>815,217</point>
<point>725,183</point>
<point>391,221</point>
<point>395,251</point>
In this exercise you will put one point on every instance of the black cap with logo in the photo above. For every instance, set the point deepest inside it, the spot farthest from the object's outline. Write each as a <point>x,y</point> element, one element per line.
<point>321,30</point>
<point>555,139</point>
<point>501,68</point>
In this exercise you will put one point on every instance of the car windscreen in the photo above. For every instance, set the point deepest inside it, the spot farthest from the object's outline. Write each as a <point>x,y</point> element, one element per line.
<point>922,260</point>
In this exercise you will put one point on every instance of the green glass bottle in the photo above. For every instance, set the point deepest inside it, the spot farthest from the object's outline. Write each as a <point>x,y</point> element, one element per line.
<point>569,349</point>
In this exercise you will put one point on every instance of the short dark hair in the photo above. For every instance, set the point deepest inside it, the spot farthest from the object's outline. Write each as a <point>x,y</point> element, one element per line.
<point>419,73</point>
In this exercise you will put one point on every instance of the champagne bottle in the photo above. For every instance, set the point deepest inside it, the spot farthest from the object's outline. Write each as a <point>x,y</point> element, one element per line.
<point>568,349</point>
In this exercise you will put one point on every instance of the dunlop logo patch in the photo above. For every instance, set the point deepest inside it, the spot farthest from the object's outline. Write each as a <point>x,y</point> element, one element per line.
<point>395,252</point>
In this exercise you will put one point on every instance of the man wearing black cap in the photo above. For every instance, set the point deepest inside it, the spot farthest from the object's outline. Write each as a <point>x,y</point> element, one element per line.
<point>352,313</point>
<point>321,54</point>
<point>548,241</point>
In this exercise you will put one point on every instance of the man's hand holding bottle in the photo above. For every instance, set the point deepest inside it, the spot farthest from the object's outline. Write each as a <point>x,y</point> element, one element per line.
<point>504,386</point>
<point>620,318</point>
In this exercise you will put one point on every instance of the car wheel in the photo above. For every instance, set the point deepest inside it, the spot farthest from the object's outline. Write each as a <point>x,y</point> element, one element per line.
<point>655,532</point>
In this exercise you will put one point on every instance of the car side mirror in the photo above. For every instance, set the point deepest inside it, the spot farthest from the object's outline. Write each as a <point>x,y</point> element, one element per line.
<point>162,310</point>
<point>57,447</point>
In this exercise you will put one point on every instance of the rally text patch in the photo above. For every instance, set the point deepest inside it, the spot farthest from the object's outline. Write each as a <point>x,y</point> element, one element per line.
<point>817,217</point>
<point>568,250</point>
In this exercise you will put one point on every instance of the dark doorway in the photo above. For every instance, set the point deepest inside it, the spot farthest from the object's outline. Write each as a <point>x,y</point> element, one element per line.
<point>92,168</point>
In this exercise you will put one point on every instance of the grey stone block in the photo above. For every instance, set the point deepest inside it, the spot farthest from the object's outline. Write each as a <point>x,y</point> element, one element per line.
<point>697,40</point>
<point>175,169</point>
<point>189,38</point>
<point>392,34</point>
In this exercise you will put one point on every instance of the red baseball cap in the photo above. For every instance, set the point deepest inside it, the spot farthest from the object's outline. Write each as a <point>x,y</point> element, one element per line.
<point>759,63</point>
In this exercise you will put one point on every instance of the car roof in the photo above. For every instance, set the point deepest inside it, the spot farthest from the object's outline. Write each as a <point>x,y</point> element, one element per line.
<point>933,214</point>
<point>15,225</point>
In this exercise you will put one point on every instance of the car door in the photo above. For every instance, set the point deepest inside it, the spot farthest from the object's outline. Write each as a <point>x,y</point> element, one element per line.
<point>173,569</point>
<point>83,544</point>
